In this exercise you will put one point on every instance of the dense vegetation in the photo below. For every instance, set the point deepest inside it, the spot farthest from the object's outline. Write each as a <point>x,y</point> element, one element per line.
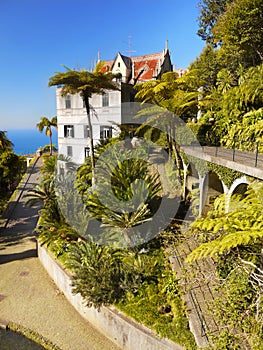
<point>139,279</point>
<point>12,167</point>
<point>234,240</point>
<point>225,83</point>
<point>221,98</point>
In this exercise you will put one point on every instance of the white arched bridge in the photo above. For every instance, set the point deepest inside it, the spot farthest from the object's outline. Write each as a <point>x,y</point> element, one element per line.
<point>248,164</point>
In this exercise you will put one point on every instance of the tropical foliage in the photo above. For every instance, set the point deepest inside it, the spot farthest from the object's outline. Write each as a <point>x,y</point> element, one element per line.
<point>241,225</point>
<point>229,69</point>
<point>124,198</point>
<point>5,143</point>
<point>106,275</point>
<point>232,235</point>
<point>12,168</point>
<point>224,86</point>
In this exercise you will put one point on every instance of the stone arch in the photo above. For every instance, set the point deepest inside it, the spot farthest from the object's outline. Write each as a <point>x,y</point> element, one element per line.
<point>239,186</point>
<point>211,187</point>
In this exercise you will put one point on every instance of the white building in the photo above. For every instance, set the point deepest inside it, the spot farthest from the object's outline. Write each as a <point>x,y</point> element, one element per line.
<point>107,113</point>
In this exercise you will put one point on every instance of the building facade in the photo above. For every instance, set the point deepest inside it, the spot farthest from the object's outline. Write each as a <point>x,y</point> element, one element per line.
<point>106,110</point>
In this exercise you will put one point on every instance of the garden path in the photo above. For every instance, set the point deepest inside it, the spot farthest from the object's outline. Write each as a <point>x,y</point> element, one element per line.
<point>27,294</point>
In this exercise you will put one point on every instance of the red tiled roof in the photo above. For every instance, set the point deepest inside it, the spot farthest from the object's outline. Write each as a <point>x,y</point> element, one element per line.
<point>158,55</point>
<point>107,66</point>
<point>145,70</point>
<point>145,67</point>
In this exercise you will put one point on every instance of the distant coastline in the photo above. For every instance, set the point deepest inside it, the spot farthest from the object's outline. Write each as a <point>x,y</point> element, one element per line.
<point>27,141</point>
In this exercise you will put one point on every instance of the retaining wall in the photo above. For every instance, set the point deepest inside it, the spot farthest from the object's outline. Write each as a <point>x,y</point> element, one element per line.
<point>115,325</point>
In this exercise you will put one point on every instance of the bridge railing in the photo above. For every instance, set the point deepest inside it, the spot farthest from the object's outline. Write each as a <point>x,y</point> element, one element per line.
<point>253,147</point>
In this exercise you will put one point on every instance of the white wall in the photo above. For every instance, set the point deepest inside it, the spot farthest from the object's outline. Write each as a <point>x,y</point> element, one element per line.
<point>77,117</point>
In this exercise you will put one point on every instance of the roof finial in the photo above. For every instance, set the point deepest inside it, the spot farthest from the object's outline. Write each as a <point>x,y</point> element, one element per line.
<point>166,45</point>
<point>98,56</point>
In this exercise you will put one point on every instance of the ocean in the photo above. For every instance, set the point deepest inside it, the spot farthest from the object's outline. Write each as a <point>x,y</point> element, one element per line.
<point>27,141</point>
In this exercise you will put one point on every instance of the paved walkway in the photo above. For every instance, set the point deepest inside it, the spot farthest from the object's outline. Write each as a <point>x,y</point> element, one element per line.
<point>27,294</point>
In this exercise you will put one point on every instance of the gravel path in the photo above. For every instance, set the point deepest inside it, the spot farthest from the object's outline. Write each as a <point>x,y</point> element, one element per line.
<point>27,294</point>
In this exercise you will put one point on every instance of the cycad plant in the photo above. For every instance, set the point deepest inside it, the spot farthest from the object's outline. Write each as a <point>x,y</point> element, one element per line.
<point>124,198</point>
<point>97,273</point>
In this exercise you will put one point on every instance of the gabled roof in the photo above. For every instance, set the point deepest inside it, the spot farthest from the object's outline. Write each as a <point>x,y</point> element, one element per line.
<point>127,61</point>
<point>145,67</point>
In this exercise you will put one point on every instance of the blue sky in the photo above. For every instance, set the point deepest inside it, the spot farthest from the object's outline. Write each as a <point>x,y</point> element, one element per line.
<point>38,36</point>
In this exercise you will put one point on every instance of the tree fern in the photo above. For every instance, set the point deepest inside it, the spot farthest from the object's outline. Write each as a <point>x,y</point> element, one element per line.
<point>243,225</point>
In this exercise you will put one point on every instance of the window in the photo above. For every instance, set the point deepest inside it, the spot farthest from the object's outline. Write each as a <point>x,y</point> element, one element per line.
<point>87,152</point>
<point>119,64</point>
<point>105,99</point>
<point>86,131</point>
<point>68,131</point>
<point>69,151</point>
<point>119,78</point>
<point>105,132</point>
<point>68,101</point>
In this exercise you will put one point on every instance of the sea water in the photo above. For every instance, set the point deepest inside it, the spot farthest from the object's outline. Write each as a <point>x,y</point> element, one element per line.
<point>27,141</point>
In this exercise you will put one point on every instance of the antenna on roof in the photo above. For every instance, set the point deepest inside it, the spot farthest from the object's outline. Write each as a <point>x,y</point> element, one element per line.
<point>129,51</point>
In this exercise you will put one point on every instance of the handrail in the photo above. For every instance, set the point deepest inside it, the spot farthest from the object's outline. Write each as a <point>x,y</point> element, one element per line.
<point>256,148</point>
<point>216,143</point>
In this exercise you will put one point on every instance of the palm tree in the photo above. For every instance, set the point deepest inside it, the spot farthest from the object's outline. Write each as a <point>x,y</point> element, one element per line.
<point>47,124</point>
<point>176,95</point>
<point>86,84</point>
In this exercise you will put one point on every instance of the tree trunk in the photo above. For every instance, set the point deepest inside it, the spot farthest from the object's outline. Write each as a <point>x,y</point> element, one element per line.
<point>50,144</point>
<point>92,157</point>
